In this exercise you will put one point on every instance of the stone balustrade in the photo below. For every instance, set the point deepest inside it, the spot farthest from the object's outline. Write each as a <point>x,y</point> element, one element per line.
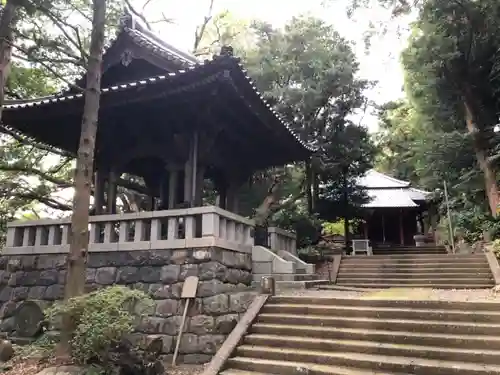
<point>281,239</point>
<point>169,229</point>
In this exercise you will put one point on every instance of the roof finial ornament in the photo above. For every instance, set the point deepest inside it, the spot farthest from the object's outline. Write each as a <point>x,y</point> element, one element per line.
<point>227,51</point>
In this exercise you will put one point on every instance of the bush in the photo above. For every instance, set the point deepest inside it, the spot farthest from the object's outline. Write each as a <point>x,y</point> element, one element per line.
<point>495,248</point>
<point>101,319</point>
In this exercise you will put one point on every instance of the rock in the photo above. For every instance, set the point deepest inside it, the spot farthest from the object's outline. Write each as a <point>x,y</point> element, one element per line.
<point>189,344</point>
<point>201,255</point>
<point>6,350</point>
<point>20,293</point>
<point>179,257</point>
<point>48,277</point>
<point>211,270</point>
<point>8,309</point>
<point>170,274</point>
<point>211,287</point>
<point>216,305</point>
<point>225,324</point>
<point>54,292</point>
<point>159,257</point>
<point>188,270</point>
<point>149,274</point>
<point>5,293</point>
<point>28,319</point>
<point>167,342</point>
<point>37,292</point>
<point>105,275</point>
<point>8,324</point>
<point>239,302</point>
<point>153,325</point>
<point>201,324</point>
<point>230,259</point>
<point>167,307</point>
<point>51,262</point>
<point>160,291</point>
<point>171,325</point>
<point>232,275</point>
<point>209,344</point>
<point>90,275</point>
<point>127,275</point>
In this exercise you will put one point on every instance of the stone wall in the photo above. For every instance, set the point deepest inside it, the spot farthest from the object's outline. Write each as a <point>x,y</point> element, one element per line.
<point>223,291</point>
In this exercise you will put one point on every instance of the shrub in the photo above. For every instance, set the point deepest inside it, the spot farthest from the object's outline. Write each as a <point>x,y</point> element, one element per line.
<point>101,319</point>
<point>495,248</point>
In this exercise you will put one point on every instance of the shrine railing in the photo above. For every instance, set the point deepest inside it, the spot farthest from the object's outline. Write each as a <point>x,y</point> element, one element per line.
<point>170,229</point>
<point>281,239</point>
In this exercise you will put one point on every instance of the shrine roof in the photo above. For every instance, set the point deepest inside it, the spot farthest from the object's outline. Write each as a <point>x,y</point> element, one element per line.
<point>220,87</point>
<point>386,191</point>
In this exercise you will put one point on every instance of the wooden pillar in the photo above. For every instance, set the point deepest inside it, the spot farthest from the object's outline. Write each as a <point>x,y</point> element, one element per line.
<point>222,196</point>
<point>111,193</point>
<point>232,197</point>
<point>200,179</point>
<point>99,186</point>
<point>365,227</point>
<point>164,190</point>
<point>173,178</point>
<point>401,228</point>
<point>309,181</point>
<point>383,227</point>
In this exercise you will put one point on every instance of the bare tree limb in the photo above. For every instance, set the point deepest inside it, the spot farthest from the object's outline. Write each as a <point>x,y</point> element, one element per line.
<point>198,35</point>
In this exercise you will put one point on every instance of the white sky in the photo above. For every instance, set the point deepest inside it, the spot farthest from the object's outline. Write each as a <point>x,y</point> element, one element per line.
<point>381,64</point>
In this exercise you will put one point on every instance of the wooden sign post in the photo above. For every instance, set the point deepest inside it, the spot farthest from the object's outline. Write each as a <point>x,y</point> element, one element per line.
<point>188,293</point>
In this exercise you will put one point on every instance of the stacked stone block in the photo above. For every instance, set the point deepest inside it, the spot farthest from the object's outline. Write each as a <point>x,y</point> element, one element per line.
<point>223,291</point>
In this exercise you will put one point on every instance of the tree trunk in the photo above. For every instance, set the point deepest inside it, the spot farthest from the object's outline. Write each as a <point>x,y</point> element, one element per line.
<point>488,170</point>
<point>7,23</point>
<point>75,279</point>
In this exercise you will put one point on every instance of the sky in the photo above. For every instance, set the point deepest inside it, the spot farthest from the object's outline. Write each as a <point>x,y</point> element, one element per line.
<point>380,64</point>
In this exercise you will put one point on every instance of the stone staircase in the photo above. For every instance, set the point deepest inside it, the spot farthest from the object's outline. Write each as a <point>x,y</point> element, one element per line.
<point>319,336</point>
<point>447,271</point>
<point>403,250</point>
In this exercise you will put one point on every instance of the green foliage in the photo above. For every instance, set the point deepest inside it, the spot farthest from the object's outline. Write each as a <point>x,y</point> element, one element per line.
<point>306,226</point>
<point>101,319</point>
<point>495,248</point>
<point>338,228</point>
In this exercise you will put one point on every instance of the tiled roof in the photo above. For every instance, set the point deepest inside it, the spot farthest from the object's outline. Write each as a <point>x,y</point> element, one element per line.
<point>376,180</point>
<point>19,104</point>
<point>389,198</point>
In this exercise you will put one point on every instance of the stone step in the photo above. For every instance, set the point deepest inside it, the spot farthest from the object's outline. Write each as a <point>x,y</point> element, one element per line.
<point>384,312</point>
<point>406,365</point>
<point>449,268</point>
<point>408,252</point>
<point>281,367</point>
<point>381,336</point>
<point>384,285</point>
<point>490,357</point>
<point>481,307</point>
<point>415,275</point>
<point>415,258</point>
<point>423,326</point>
<point>458,281</point>
<point>242,372</point>
<point>289,276</point>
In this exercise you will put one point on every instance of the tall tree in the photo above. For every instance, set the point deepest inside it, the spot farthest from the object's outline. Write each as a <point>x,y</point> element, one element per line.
<point>75,281</point>
<point>451,72</point>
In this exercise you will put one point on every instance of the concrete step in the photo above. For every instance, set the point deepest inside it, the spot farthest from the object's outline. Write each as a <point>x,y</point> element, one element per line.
<point>481,307</point>
<point>423,326</point>
<point>406,365</point>
<point>458,281</point>
<point>408,252</point>
<point>416,268</point>
<point>415,275</point>
<point>490,357</point>
<point>384,312</point>
<point>282,367</point>
<point>242,372</point>
<point>415,258</point>
<point>286,277</point>
<point>381,336</point>
<point>384,285</point>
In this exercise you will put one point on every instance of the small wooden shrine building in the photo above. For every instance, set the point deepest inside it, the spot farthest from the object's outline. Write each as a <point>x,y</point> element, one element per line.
<point>396,210</point>
<point>168,119</point>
